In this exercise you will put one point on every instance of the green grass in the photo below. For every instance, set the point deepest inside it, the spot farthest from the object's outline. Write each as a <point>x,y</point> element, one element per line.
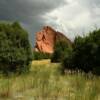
<point>45,82</point>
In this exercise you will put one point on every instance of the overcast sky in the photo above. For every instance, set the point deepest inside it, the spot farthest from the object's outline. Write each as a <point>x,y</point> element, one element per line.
<point>72,17</point>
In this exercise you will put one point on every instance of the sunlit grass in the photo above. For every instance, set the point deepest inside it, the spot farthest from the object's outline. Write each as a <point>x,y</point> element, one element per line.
<point>45,82</point>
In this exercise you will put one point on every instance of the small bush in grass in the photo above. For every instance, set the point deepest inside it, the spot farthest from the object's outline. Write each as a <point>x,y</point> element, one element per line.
<point>40,55</point>
<point>15,50</point>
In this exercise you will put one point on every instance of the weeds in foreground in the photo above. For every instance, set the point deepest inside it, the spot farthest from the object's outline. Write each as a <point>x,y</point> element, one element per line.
<point>45,82</point>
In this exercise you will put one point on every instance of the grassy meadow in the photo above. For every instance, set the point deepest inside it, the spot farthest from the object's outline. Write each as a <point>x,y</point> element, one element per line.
<point>45,82</point>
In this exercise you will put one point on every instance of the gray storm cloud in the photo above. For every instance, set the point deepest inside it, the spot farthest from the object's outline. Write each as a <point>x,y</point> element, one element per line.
<point>25,10</point>
<point>28,12</point>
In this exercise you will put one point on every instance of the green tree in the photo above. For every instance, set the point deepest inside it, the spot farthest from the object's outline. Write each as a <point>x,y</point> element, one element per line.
<point>85,55</point>
<point>15,50</point>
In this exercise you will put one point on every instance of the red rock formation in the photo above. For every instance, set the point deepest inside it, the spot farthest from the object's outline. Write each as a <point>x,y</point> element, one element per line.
<point>46,38</point>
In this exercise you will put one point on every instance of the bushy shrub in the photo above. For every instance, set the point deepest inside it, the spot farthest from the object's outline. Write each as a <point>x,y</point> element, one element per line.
<point>40,55</point>
<point>85,55</point>
<point>15,50</point>
<point>61,49</point>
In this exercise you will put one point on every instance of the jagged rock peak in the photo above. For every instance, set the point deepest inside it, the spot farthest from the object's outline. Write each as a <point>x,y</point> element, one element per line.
<point>46,38</point>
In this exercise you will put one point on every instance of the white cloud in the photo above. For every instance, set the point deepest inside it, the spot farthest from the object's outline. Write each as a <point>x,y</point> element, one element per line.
<point>75,18</point>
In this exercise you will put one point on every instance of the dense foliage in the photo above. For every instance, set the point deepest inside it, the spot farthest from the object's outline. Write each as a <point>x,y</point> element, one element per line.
<point>40,55</point>
<point>15,51</point>
<point>61,49</point>
<point>85,55</point>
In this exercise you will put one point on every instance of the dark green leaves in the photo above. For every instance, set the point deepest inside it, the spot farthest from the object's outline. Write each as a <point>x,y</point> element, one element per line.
<point>85,54</point>
<point>15,51</point>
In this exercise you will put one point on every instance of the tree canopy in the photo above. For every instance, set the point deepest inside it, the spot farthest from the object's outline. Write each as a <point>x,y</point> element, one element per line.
<point>85,54</point>
<point>15,50</point>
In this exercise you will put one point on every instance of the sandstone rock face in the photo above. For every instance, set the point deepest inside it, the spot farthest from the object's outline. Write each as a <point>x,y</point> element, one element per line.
<point>46,38</point>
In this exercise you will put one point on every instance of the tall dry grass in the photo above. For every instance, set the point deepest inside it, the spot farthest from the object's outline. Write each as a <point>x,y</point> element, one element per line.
<point>45,82</point>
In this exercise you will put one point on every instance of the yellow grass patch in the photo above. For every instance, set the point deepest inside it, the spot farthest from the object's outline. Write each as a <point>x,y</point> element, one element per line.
<point>41,62</point>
